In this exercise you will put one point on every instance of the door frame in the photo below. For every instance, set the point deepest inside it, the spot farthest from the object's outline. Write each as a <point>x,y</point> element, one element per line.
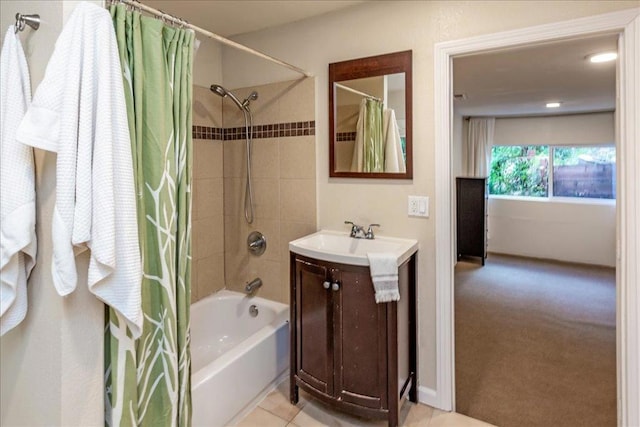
<point>625,23</point>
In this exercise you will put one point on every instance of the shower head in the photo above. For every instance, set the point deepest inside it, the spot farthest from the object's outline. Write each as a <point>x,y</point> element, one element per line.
<point>252,97</point>
<point>219,90</point>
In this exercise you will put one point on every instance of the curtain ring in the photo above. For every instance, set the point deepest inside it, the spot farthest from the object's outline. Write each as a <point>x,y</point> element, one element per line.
<point>136,6</point>
<point>164,17</point>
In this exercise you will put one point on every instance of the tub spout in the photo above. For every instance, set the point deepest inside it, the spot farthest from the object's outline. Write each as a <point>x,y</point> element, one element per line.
<point>253,286</point>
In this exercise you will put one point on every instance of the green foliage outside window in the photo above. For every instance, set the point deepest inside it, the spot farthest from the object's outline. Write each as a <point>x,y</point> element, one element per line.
<point>570,156</point>
<point>519,170</point>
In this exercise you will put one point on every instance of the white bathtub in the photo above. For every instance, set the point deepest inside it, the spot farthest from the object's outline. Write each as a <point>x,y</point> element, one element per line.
<point>236,359</point>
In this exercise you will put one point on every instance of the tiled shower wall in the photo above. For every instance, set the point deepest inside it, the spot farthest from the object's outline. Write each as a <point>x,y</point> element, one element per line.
<point>284,186</point>
<point>207,230</point>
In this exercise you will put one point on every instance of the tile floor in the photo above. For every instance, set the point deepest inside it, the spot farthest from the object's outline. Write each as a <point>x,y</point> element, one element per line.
<point>275,410</point>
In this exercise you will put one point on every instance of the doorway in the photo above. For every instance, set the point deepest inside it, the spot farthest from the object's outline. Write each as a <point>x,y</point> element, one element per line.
<point>536,339</point>
<point>626,23</point>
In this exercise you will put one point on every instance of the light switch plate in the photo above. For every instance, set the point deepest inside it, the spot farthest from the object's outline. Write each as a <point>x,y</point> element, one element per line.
<point>418,206</point>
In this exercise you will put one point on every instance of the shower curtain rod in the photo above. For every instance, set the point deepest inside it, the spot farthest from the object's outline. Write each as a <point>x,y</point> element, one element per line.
<point>356,91</point>
<point>183,23</point>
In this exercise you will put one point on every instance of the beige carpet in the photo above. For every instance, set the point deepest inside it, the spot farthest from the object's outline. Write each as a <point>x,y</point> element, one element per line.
<point>535,343</point>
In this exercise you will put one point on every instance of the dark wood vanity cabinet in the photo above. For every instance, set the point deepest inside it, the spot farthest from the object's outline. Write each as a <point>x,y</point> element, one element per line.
<point>471,216</point>
<point>355,355</point>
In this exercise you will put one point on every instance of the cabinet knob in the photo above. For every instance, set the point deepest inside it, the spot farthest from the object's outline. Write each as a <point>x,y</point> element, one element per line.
<point>326,285</point>
<point>335,286</point>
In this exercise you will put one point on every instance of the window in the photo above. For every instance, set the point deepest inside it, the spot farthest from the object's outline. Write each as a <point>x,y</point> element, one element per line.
<point>520,170</point>
<point>544,171</point>
<point>584,172</point>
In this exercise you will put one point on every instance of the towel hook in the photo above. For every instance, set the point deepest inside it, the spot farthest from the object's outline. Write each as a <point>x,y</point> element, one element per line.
<point>22,21</point>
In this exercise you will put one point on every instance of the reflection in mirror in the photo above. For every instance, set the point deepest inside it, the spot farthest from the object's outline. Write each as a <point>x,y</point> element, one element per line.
<point>370,120</point>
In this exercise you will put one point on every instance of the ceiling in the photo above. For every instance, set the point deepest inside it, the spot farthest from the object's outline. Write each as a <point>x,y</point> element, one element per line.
<point>232,17</point>
<point>521,81</point>
<point>516,81</point>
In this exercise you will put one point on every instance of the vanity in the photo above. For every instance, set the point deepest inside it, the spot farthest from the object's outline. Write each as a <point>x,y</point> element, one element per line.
<point>351,353</point>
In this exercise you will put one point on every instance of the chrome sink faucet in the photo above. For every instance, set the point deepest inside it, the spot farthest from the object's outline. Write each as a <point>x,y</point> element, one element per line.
<point>357,231</point>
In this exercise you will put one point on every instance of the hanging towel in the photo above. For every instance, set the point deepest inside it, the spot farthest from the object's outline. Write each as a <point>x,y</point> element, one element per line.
<point>384,275</point>
<point>17,181</point>
<point>393,157</point>
<point>79,112</point>
<point>357,160</point>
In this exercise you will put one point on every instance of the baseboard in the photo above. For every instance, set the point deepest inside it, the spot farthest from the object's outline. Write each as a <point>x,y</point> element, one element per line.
<point>428,396</point>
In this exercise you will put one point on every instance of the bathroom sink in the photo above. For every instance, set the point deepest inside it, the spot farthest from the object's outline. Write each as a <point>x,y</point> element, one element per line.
<point>339,247</point>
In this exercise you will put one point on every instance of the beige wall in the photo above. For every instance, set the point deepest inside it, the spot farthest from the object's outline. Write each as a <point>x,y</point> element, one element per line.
<point>51,363</point>
<point>284,186</point>
<point>382,27</point>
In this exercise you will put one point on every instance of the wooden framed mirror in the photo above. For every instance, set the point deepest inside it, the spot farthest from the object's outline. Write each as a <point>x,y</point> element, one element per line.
<point>370,117</point>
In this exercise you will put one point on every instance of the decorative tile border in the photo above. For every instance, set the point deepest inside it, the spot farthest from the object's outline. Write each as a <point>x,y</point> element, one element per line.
<point>345,136</point>
<point>259,131</point>
<point>206,132</point>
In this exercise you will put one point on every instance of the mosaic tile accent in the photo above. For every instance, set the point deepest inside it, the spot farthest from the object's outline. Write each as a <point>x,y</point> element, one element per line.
<point>345,136</point>
<point>272,130</point>
<point>259,131</point>
<point>206,132</point>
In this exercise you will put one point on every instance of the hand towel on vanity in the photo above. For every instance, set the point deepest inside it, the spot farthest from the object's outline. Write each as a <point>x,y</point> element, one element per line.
<point>384,275</point>
<point>17,181</point>
<point>393,157</point>
<point>79,112</point>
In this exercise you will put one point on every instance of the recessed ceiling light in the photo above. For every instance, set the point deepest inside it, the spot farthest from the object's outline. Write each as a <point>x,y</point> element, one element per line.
<point>603,57</point>
<point>553,104</point>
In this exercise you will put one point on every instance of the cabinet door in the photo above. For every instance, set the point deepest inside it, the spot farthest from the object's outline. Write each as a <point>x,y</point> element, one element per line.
<point>360,340</point>
<point>314,349</point>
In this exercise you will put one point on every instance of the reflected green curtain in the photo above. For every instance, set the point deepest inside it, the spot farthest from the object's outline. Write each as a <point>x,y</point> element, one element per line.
<point>147,381</point>
<point>368,151</point>
<point>373,142</point>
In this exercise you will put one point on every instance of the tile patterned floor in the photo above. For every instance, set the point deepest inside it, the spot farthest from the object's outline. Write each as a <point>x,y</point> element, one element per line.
<point>275,410</point>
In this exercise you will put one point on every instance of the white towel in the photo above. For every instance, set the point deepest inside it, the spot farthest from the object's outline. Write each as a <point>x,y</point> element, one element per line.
<point>17,181</point>
<point>79,112</point>
<point>357,160</point>
<point>384,275</point>
<point>393,157</point>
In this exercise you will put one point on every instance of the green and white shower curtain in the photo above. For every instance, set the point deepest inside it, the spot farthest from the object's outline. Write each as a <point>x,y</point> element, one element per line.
<point>148,380</point>
<point>368,151</point>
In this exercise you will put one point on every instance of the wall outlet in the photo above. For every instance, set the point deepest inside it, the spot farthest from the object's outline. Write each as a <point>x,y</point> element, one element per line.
<point>418,206</point>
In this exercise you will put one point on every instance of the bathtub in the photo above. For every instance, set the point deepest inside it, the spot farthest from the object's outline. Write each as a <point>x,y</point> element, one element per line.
<point>236,359</point>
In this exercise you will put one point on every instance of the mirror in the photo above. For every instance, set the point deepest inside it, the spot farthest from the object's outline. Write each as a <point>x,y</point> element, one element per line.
<point>370,117</point>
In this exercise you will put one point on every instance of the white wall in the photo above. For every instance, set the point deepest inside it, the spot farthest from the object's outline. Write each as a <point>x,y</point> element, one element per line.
<point>565,231</point>
<point>207,65</point>
<point>458,151</point>
<point>51,363</point>
<point>575,231</point>
<point>577,129</point>
<point>376,28</point>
